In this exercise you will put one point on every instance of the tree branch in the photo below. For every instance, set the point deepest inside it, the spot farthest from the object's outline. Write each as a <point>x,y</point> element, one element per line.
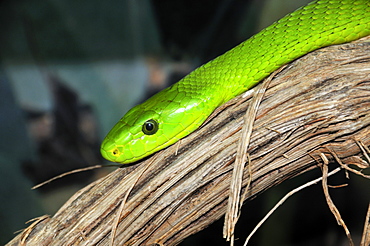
<point>321,100</point>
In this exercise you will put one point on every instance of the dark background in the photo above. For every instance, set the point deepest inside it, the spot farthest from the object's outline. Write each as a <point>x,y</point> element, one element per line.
<point>70,69</point>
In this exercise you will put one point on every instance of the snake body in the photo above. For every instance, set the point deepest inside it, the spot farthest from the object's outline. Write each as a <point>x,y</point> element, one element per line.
<point>180,109</point>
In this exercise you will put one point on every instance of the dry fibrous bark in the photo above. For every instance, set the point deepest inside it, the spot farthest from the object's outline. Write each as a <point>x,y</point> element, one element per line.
<point>317,104</point>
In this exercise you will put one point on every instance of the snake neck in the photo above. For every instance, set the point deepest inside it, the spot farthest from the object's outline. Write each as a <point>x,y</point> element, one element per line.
<point>291,37</point>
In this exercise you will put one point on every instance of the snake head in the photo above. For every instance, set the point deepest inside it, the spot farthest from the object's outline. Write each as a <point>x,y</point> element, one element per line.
<point>153,125</point>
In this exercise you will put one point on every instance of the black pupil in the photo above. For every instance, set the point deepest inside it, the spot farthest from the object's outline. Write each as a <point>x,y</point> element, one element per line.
<point>149,126</point>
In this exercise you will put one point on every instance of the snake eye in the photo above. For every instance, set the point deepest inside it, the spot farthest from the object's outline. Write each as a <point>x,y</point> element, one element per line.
<point>150,127</point>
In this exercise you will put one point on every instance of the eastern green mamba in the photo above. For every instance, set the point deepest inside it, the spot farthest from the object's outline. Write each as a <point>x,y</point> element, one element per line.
<point>180,109</point>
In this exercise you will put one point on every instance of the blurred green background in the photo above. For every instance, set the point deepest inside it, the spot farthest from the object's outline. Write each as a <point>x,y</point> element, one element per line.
<point>70,69</point>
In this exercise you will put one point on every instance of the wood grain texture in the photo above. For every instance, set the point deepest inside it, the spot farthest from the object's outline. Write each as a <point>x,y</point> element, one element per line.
<point>320,100</point>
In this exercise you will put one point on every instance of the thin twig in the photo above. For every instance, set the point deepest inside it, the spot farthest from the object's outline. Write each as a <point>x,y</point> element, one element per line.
<point>365,240</point>
<point>249,181</point>
<point>330,202</point>
<point>232,213</point>
<point>346,167</point>
<point>68,173</point>
<point>315,181</point>
<point>29,229</point>
<point>235,202</point>
<point>365,150</point>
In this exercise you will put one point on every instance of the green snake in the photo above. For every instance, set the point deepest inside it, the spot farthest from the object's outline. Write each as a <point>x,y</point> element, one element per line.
<point>180,109</point>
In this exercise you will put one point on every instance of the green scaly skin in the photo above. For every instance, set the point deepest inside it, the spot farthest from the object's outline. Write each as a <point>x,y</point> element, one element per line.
<point>183,107</point>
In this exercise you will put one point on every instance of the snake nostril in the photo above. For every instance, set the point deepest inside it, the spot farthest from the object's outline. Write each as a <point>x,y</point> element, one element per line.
<point>115,152</point>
